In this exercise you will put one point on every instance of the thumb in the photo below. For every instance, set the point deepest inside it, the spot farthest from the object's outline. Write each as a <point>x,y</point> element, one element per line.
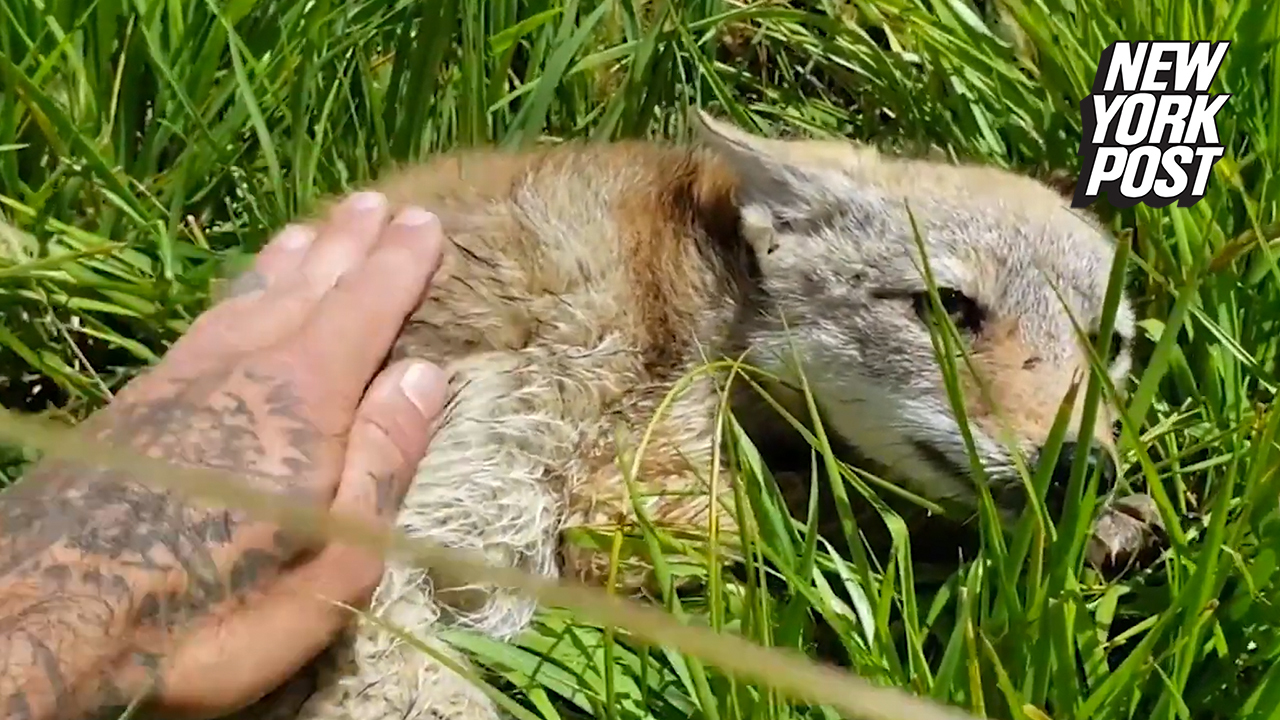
<point>393,426</point>
<point>389,437</point>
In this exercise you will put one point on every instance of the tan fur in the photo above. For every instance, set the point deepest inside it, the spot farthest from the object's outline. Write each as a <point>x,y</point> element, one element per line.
<point>1023,392</point>
<point>582,281</point>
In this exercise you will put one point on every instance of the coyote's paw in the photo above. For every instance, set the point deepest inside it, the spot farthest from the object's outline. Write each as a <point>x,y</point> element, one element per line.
<point>1128,534</point>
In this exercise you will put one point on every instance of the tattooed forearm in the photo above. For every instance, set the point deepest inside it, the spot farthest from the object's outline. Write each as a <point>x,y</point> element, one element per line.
<point>97,571</point>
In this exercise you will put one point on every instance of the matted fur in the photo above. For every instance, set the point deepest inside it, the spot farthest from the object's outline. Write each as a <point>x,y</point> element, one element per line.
<point>581,281</point>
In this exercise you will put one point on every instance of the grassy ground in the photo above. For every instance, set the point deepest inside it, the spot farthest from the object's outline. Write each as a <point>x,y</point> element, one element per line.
<point>145,145</point>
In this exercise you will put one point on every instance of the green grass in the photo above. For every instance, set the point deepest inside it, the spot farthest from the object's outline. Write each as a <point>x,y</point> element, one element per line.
<point>146,145</point>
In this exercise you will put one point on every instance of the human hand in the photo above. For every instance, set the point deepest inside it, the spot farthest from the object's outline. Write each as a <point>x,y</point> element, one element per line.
<point>108,586</point>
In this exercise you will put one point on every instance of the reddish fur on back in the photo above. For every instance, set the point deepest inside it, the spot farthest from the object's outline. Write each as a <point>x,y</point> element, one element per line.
<point>628,236</point>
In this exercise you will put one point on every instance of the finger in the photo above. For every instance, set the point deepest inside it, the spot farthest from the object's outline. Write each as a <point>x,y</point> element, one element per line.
<point>238,321</point>
<point>284,288</point>
<point>281,257</point>
<point>352,229</point>
<point>393,426</point>
<point>367,309</point>
<point>337,245</point>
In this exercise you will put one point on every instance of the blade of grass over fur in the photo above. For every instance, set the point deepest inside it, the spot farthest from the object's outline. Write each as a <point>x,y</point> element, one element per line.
<point>862,565</point>
<point>947,346</point>
<point>1068,556</point>
<point>1065,552</point>
<point>695,673</point>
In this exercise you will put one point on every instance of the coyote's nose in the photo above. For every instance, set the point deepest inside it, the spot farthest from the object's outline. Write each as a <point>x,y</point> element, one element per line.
<point>1098,461</point>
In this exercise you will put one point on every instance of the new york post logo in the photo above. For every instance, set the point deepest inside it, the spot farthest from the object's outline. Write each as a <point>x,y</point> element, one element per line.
<point>1150,126</point>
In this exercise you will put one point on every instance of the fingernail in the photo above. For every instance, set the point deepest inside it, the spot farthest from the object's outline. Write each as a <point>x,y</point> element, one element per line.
<point>367,201</point>
<point>295,237</point>
<point>425,385</point>
<point>414,217</point>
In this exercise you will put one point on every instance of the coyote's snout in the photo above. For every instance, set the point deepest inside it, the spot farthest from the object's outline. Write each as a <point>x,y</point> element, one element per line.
<point>581,283</point>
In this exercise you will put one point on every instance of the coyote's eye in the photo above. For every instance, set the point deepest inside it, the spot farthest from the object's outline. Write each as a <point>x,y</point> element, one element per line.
<point>964,312</point>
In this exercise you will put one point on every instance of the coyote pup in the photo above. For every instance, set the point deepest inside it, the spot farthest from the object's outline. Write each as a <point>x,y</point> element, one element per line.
<point>583,281</point>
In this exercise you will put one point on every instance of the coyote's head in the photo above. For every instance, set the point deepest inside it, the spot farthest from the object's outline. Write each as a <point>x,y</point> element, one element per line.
<point>837,228</point>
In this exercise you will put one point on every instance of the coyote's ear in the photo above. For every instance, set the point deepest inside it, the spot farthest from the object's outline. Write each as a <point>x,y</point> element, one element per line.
<point>770,173</point>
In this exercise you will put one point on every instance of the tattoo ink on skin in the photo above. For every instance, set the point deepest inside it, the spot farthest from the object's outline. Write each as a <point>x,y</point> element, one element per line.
<point>99,558</point>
